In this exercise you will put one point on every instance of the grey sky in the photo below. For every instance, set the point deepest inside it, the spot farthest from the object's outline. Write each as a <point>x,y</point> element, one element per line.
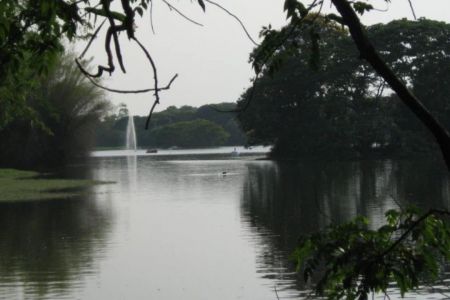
<point>212,61</point>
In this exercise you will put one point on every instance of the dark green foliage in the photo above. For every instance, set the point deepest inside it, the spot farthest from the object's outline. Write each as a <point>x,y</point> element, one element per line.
<point>68,108</point>
<point>301,110</point>
<point>361,7</point>
<point>110,132</point>
<point>341,108</point>
<point>196,133</point>
<point>354,260</point>
<point>30,33</point>
<point>220,128</point>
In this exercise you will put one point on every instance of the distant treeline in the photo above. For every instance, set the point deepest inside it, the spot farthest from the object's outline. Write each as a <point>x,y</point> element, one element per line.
<point>186,127</point>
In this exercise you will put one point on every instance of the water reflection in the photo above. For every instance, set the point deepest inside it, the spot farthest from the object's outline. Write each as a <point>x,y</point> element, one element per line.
<point>177,228</point>
<point>48,249</point>
<point>132,171</point>
<point>281,201</point>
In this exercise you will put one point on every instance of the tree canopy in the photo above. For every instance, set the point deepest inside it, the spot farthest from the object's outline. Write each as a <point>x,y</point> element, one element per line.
<point>68,108</point>
<point>341,107</point>
<point>304,17</point>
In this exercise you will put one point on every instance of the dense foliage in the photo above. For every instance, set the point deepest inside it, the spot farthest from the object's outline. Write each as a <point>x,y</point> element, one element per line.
<point>342,108</point>
<point>186,126</point>
<point>68,108</point>
<point>31,35</point>
<point>197,133</point>
<point>355,261</point>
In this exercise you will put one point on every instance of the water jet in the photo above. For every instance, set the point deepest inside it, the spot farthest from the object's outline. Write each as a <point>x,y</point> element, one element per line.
<point>131,142</point>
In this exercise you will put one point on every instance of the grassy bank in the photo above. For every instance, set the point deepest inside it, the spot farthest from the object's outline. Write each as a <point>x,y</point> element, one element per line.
<point>18,185</point>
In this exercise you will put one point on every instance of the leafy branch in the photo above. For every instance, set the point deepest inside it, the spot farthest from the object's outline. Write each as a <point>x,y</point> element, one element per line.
<point>355,261</point>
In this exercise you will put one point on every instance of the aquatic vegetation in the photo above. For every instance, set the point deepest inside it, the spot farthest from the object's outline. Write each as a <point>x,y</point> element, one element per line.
<point>19,185</point>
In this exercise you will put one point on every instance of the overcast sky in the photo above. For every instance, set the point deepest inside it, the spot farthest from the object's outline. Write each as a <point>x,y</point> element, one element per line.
<point>212,60</point>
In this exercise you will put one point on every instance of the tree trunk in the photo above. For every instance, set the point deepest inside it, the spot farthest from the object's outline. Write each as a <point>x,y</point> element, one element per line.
<point>368,52</point>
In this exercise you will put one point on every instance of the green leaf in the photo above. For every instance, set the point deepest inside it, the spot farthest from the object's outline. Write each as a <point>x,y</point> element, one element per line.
<point>362,7</point>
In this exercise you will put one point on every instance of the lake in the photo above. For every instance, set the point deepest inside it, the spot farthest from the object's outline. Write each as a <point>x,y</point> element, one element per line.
<point>175,226</point>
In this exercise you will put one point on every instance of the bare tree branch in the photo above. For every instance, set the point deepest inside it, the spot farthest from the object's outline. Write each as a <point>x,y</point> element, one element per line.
<point>151,16</point>
<point>112,30</point>
<point>412,9</point>
<point>181,14</point>
<point>155,79</point>
<point>139,91</point>
<point>147,122</point>
<point>128,23</point>
<point>380,89</point>
<point>94,36</point>
<point>100,68</point>
<point>235,17</point>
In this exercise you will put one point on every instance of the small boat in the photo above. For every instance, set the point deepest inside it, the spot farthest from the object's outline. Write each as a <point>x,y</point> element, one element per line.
<point>151,151</point>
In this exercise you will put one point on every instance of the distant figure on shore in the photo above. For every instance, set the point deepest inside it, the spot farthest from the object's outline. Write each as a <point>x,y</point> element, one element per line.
<point>235,152</point>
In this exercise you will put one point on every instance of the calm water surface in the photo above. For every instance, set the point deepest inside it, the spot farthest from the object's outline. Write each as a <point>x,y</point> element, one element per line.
<point>173,227</point>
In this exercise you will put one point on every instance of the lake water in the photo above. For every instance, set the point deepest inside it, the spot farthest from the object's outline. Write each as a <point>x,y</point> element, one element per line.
<point>173,226</point>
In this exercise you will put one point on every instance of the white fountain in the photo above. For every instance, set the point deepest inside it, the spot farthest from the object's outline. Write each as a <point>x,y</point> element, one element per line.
<point>131,142</point>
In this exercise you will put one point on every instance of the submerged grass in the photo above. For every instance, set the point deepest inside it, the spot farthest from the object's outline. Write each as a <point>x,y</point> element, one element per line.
<point>18,185</point>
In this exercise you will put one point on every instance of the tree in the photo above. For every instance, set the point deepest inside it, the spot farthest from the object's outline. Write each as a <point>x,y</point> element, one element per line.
<point>190,134</point>
<point>36,30</point>
<point>368,52</point>
<point>30,38</point>
<point>300,110</point>
<point>69,108</point>
<point>111,131</point>
<point>342,108</point>
<point>303,17</point>
<point>356,261</point>
<point>227,120</point>
<point>418,53</point>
